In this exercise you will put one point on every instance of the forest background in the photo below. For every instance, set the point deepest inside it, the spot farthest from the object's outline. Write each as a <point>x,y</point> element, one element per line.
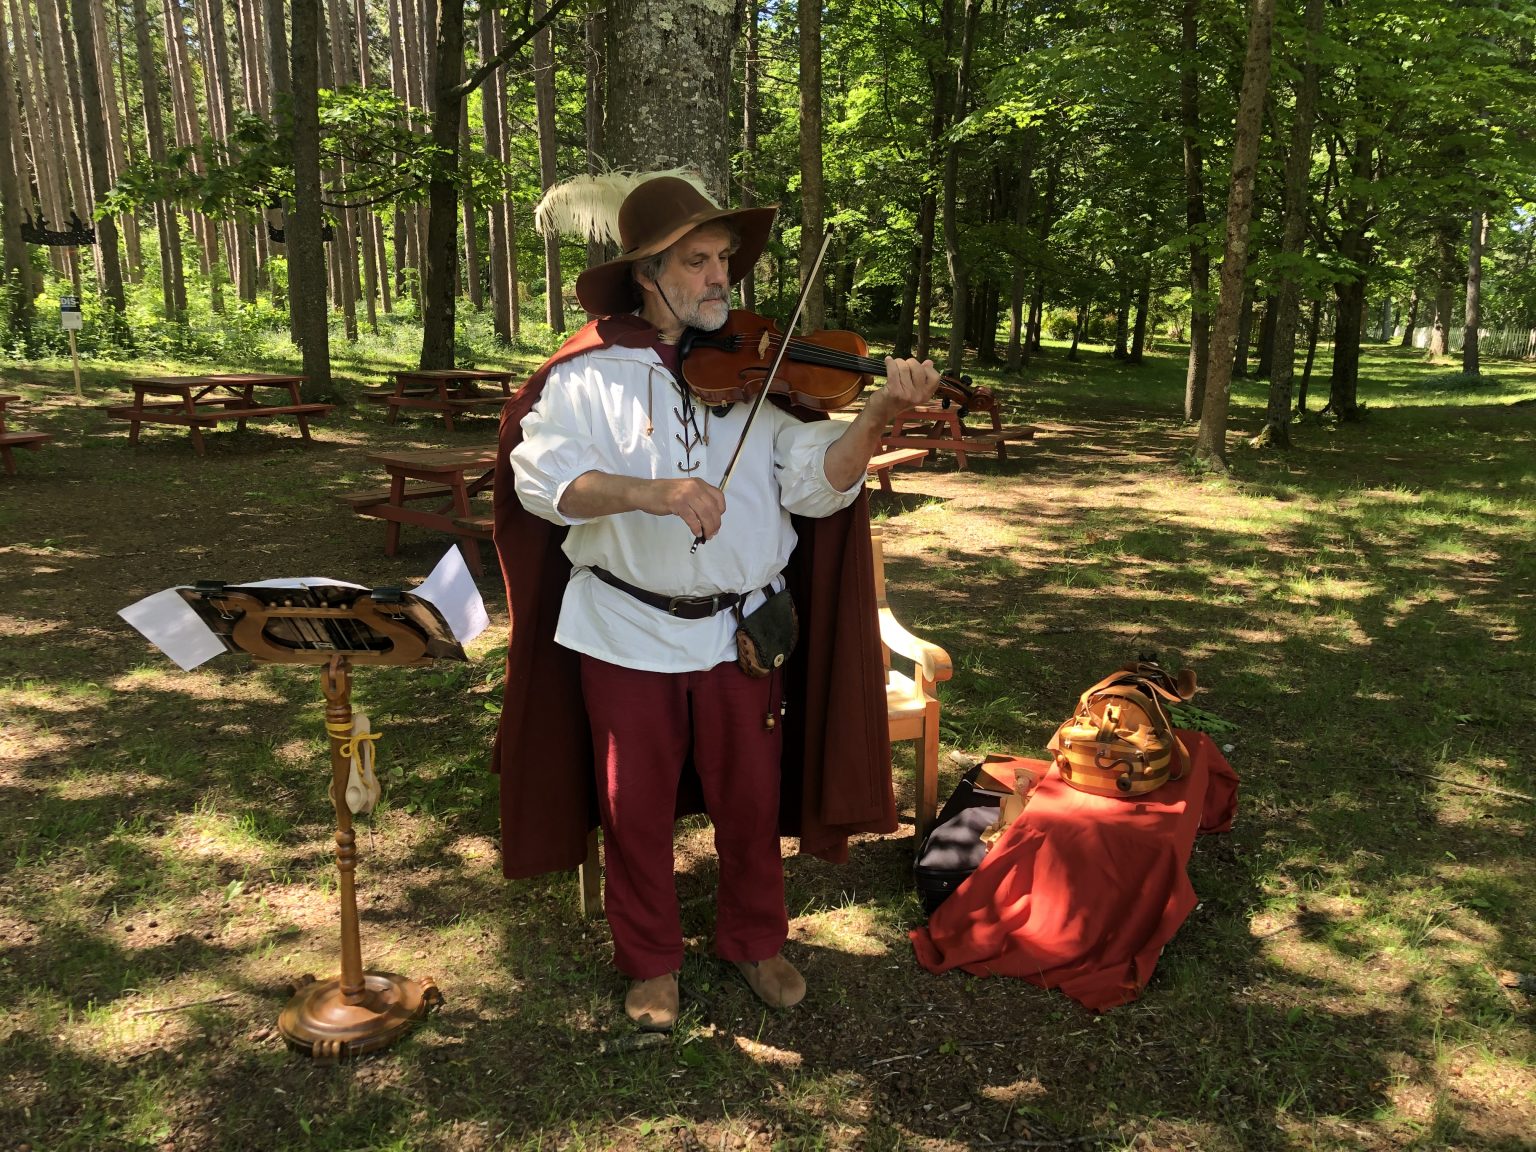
<point>998,171</point>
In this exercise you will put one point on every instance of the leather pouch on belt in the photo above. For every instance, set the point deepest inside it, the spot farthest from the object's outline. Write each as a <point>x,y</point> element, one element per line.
<point>765,639</point>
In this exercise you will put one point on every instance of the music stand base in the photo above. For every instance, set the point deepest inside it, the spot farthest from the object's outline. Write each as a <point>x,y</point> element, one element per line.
<point>320,1023</point>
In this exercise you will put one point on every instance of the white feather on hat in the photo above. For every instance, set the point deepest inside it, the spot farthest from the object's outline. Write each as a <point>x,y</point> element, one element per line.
<point>588,206</point>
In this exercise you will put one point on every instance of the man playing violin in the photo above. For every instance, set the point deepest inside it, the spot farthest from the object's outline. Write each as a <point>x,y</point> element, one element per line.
<point>610,461</point>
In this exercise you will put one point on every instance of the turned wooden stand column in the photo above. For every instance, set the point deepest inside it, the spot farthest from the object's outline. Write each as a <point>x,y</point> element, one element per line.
<point>358,1011</point>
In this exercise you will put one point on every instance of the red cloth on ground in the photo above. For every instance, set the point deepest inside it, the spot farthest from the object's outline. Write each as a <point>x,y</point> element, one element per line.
<point>1082,891</point>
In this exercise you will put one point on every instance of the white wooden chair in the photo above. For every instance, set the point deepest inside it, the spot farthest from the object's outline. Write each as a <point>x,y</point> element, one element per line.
<point>910,700</point>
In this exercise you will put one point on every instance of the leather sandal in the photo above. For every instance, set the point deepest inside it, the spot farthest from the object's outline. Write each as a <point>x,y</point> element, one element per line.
<point>653,1004</point>
<point>774,980</point>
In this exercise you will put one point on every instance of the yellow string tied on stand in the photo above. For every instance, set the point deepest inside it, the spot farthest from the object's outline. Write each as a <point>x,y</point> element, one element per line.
<point>357,746</point>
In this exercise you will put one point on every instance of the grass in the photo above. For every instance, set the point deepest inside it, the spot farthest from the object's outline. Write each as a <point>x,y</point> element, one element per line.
<point>1358,608</point>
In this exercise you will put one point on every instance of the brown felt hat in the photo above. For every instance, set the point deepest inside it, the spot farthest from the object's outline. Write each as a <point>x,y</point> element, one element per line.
<point>655,216</point>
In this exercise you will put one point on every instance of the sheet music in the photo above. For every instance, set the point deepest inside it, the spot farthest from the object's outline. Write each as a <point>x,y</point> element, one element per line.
<point>168,622</point>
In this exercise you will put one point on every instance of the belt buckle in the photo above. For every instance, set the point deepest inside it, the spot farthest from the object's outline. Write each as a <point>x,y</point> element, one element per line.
<point>677,602</point>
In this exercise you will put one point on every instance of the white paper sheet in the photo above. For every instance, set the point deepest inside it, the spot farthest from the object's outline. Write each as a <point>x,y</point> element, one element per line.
<point>168,622</point>
<point>451,590</point>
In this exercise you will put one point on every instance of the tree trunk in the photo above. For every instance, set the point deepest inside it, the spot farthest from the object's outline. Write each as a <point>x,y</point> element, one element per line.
<point>18,277</point>
<point>173,289</point>
<point>544,102</point>
<point>306,250</point>
<point>1445,272</point>
<point>1344,384</point>
<point>491,109</point>
<point>1023,205</point>
<point>959,273</point>
<point>440,271</point>
<point>1286,305</point>
<point>1266,343</point>
<point>1122,349</point>
<point>1143,307</point>
<point>1413,319</point>
<point>668,108</point>
<point>1194,213</point>
<point>1210,443</point>
<point>117,146</point>
<point>1244,332</point>
<point>1314,327</point>
<point>749,117</point>
<point>61,143</point>
<point>189,132</point>
<point>110,269</point>
<point>440,274</point>
<point>1356,249</point>
<point>812,190</point>
<point>1477,239</point>
<point>508,192</point>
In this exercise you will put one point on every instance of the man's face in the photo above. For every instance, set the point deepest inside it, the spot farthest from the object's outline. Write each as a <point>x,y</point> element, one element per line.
<point>696,278</point>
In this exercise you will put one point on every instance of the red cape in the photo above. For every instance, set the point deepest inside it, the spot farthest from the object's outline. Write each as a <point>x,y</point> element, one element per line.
<point>1082,891</point>
<point>837,752</point>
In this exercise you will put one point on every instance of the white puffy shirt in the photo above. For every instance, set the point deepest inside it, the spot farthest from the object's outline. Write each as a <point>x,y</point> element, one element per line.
<point>592,415</point>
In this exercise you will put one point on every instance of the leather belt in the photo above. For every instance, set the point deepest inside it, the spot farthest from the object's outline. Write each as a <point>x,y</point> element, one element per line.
<point>683,607</point>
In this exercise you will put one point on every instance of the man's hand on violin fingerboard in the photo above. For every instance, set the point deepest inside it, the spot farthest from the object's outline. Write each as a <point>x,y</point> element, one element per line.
<point>908,384</point>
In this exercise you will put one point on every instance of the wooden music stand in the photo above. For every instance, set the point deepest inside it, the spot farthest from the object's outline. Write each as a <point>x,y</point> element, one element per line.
<point>336,626</point>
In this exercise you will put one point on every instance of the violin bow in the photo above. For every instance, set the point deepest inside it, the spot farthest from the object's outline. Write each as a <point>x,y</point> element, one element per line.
<point>778,358</point>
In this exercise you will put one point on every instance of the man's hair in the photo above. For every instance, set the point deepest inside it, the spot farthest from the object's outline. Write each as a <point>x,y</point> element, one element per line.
<point>651,266</point>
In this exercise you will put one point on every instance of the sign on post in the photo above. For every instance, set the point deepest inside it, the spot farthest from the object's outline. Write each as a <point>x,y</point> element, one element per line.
<point>71,320</point>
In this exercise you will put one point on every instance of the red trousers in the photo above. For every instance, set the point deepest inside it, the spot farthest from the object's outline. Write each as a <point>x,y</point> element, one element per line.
<point>644,724</point>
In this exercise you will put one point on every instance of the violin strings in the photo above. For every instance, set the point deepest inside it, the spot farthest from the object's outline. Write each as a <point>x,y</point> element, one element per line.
<point>812,353</point>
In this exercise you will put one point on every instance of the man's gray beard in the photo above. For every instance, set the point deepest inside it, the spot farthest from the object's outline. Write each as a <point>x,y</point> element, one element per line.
<point>696,317</point>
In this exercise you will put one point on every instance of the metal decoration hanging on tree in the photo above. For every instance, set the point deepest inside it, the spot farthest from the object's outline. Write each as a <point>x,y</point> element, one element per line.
<point>37,232</point>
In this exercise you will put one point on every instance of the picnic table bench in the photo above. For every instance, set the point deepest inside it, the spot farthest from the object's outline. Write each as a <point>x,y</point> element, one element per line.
<point>451,391</point>
<point>446,480</point>
<point>880,465</point>
<point>199,402</point>
<point>940,428</point>
<point>9,440</point>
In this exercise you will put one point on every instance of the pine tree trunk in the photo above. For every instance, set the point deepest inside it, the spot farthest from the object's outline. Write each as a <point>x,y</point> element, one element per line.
<point>306,251</point>
<point>117,155</point>
<point>750,113</point>
<point>74,183</point>
<point>491,108</point>
<point>1194,213</point>
<point>18,278</point>
<point>110,269</point>
<point>440,273</point>
<point>173,288</point>
<point>959,273</point>
<point>812,190</point>
<point>544,103</point>
<point>508,204</point>
<point>189,132</point>
<point>1210,443</point>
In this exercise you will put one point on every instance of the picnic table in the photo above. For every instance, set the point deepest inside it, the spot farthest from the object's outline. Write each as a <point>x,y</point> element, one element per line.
<point>941,428</point>
<point>431,488</point>
<point>9,440</point>
<point>447,390</point>
<point>204,401</point>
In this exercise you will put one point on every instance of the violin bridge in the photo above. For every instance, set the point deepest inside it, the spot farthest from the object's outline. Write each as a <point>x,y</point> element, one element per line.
<point>762,346</point>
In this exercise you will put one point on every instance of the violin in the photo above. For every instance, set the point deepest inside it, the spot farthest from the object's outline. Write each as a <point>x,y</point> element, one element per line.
<point>823,371</point>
